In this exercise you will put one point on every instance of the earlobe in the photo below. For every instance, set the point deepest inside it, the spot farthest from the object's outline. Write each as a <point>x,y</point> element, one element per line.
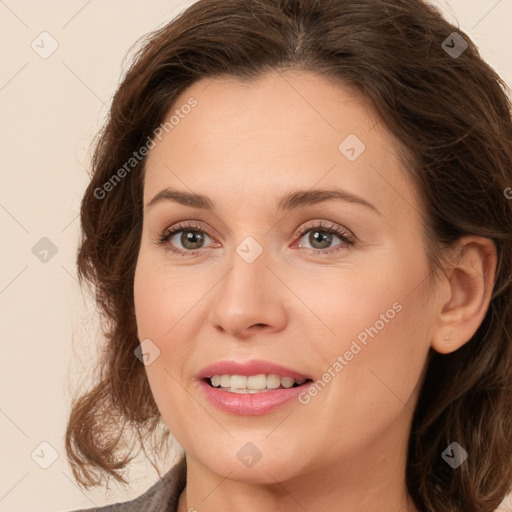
<point>469,282</point>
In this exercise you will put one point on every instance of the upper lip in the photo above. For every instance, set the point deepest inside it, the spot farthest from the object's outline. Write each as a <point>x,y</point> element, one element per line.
<point>248,368</point>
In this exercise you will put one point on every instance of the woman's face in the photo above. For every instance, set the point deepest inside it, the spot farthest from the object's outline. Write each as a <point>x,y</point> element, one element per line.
<point>305,250</point>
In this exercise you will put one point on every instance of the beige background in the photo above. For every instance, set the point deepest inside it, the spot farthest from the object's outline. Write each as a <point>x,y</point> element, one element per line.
<point>50,110</point>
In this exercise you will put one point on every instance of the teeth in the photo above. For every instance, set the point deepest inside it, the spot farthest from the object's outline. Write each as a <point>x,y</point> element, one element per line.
<point>238,381</point>
<point>273,381</point>
<point>254,383</point>
<point>287,382</point>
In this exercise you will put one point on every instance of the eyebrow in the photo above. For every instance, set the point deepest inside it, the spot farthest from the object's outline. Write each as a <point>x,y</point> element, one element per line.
<point>290,201</point>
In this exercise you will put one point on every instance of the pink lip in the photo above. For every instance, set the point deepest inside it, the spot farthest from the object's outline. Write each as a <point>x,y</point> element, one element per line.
<point>252,404</point>
<point>254,367</point>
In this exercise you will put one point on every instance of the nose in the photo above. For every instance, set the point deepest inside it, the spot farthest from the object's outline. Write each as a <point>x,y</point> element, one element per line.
<point>249,300</point>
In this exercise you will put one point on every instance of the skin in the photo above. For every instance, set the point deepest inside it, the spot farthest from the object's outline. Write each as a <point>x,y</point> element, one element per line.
<point>245,146</point>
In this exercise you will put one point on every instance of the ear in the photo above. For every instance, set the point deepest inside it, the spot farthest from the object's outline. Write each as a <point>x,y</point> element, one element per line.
<point>466,287</point>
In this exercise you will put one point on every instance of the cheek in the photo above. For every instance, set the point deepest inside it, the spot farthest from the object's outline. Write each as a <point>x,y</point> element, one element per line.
<point>382,379</point>
<point>151,302</point>
<point>164,296</point>
<point>380,331</point>
<point>164,310</point>
<point>151,297</point>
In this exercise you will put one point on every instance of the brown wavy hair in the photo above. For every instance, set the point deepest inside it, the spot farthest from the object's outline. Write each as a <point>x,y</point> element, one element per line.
<point>452,116</point>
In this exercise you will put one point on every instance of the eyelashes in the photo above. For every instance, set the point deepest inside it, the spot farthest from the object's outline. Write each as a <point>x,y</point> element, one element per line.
<point>165,237</point>
<point>200,235</point>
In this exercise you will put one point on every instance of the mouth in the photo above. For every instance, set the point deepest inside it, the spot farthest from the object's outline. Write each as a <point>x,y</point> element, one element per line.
<point>253,384</point>
<point>251,388</point>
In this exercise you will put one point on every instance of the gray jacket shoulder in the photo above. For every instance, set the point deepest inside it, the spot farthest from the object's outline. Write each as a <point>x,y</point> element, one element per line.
<point>163,496</point>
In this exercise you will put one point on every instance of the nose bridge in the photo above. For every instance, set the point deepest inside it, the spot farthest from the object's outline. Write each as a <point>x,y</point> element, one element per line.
<point>246,284</point>
<point>248,294</point>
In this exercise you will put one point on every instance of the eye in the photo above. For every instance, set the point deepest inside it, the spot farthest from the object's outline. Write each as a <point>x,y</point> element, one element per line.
<point>191,237</point>
<point>321,235</point>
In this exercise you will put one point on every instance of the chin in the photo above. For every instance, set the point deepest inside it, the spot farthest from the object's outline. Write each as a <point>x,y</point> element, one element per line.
<point>250,464</point>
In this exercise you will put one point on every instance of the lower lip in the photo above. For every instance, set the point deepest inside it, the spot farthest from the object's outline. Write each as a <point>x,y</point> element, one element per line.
<point>251,404</point>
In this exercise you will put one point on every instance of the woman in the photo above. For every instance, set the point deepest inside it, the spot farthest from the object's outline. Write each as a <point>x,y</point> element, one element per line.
<point>300,237</point>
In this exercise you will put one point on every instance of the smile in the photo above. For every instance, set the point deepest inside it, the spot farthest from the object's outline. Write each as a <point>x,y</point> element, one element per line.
<point>253,384</point>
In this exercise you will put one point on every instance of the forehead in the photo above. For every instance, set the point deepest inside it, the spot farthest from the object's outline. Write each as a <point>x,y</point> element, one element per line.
<point>284,130</point>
